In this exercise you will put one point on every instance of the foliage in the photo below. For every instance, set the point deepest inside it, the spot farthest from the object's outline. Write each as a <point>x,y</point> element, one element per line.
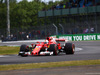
<point>22,14</point>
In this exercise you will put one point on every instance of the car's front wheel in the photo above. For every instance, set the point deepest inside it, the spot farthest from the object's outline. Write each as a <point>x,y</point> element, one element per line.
<point>24,49</point>
<point>54,48</point>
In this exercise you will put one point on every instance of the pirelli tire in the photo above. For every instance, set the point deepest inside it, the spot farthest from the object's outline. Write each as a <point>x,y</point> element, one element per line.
<point>54,48</point>
<point>69,48</point>
<point>23,49</point>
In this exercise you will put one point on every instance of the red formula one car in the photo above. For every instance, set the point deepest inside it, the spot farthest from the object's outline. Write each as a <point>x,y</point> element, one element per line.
<point>51,46</point>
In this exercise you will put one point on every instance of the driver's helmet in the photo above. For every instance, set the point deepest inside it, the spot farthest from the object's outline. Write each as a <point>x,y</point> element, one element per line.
<point>49,38</point>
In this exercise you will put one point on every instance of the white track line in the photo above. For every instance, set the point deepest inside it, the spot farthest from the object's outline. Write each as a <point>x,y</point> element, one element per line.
<point>4,56</point>
<point>7,55</point>
<point>24,41</point>
<point>78,49</point>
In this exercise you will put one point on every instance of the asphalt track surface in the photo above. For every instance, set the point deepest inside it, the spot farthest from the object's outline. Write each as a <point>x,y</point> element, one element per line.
<point>85,50</point>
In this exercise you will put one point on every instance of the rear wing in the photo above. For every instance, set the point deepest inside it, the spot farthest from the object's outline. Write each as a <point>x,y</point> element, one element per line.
<point>61,40</point>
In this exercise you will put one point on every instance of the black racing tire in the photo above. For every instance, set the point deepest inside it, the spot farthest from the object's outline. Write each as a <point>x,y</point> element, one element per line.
<point>69,48</point>
<point>54,48</point>
<point>24,49</point>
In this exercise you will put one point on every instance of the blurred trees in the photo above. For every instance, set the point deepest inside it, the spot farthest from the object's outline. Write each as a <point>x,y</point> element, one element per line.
<point>22,15</point>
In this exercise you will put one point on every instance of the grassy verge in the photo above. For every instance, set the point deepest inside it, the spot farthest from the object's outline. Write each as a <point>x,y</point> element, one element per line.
<point>5,50</point>
<point>49,65</point>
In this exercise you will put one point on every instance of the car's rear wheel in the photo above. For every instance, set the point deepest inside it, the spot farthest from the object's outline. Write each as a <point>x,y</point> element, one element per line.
<point>54,48</point>
<point>24,49</point>
<point>69,48</point>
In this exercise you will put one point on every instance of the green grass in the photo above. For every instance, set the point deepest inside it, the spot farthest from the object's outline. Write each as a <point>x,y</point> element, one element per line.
<point>5,50</point>
<point>49,65</point>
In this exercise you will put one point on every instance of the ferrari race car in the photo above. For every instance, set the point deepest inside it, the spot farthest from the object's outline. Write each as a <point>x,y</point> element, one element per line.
<point>51,46</point>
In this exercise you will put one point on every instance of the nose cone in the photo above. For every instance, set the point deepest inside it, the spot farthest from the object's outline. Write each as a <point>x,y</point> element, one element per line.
<point>34,53</point>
